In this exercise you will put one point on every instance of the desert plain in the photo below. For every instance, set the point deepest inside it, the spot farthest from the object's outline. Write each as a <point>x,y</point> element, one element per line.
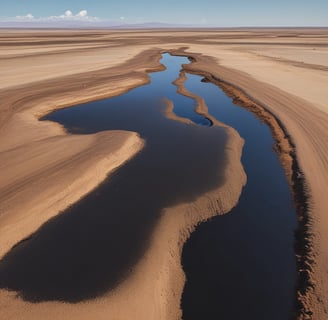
<point>280,74</point>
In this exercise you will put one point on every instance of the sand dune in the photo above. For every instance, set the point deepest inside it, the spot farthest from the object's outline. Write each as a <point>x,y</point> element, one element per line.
<point>79,66</point>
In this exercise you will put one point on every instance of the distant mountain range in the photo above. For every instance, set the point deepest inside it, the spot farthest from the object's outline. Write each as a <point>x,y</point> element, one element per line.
<point>55,23</point>
<point>89,24</point>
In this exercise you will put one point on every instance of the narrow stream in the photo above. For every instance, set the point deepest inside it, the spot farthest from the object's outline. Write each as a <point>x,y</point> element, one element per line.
<point>241,265</point>
<point>238,266</point>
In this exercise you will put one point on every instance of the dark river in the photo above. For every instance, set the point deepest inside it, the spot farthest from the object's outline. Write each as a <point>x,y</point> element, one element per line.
<point>238,266</point>
<point>241,265</point>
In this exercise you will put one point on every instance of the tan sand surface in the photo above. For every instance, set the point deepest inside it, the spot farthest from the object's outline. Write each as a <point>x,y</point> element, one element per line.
<point>10,52</point>
<point>263,64</point>
<point>311,56</point>
<point>286,77</point>
<point>41,178</point>
<point>18,71</point>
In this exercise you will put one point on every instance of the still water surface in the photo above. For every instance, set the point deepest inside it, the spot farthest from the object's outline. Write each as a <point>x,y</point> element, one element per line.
<point>92,246</point>
<point>241,265</point>
<point>238,266</point>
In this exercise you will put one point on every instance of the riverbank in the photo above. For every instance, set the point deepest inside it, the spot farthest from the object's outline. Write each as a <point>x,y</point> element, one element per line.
<point>156,295</point>
<point>52,169</point>
<point>300,131</point>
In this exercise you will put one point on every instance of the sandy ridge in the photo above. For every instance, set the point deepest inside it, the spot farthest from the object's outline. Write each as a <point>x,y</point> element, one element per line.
<point>53,174</point>
<point>306,129</point>
<point>51,169</point>
<point>169,112</point>
<point>159,294</point>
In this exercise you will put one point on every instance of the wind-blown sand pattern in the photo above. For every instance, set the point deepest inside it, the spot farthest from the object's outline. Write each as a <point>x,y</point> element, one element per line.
<point>40,74</point>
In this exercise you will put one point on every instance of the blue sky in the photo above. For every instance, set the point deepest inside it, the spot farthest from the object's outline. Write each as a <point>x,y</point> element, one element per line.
<point>213,12</point>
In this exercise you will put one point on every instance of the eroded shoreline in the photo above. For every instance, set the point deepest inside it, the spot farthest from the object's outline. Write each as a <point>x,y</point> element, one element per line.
<point>162,266</point>
<point>40,145</point>
<point>286,149</point>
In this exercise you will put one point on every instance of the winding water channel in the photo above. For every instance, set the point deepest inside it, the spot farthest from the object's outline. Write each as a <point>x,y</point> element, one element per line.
<point>238,266</point>
<point>241,265</point>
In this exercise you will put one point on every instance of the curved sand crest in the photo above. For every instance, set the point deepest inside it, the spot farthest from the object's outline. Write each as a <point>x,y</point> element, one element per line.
<point>44,169</point>
<point>154,288</point>
<point>200,107</point>
<point>42,178</point>
<point>300,130</point>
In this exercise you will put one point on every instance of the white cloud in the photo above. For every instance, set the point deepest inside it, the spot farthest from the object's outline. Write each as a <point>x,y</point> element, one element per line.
<point>68,13</point>
<point>82,14</point>
<point>67,16</point>
<point>122,18</point>
<point>29,16</point>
